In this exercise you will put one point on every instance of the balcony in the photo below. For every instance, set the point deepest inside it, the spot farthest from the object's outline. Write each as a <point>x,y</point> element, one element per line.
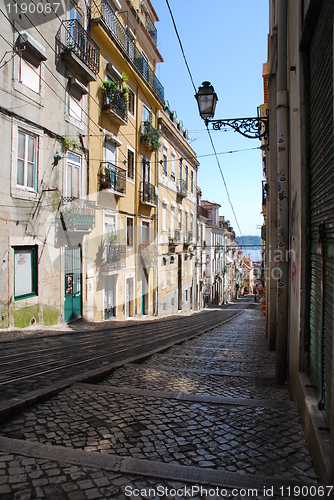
<point>189,238</point>
<point>115,103</point>
<point>112,178</point>
<point>114,257</point>
<point>77,215</point>
<point>74,219</point>
<point>202,212</point>
<point>103,14</point>
<point>78,49</point>
<point>152,30</point>
<point>264,198</point>
<point>150,137</point>
<point>182,188</point>
<point>147,194</point>
<point>171,238</point>
<point>177,236</point>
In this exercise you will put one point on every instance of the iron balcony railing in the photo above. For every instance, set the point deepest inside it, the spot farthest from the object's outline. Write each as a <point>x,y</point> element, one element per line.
<point>182,188</point>
<point>202,211</point>
<point>171,237</point>
<point>114,256</point>
<point>71,36</point>
<point>112,177</point>
<point>264,192</point>
<point>152,30</point>
<point>189,238</point>
<point>104,14</point>
<point>178,236</point>
<point>116,101</point>
<point>77,214</point>
<point>147,193</point>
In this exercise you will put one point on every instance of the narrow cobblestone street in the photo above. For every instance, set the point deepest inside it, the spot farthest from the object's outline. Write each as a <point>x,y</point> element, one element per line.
<point>206,413</point>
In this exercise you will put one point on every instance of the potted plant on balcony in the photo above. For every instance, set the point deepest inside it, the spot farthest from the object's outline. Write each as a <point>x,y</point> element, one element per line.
<point>112,238</point>
<point>104,175</point>
<point>109,88</point>
<point>150,137</point>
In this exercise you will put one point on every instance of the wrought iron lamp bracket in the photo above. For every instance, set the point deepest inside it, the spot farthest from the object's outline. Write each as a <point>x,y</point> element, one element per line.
<point>252,128</point>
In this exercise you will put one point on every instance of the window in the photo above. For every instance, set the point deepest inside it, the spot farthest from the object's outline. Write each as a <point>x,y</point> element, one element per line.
<point>74,14</point>
<point>192,181</point>
<point>186,224</point>
<point>172,175</point>
<point>186,294</point>
<point>146,170</point>
<point>192,223</point>
<point>30,61</point>
<point>109,233</point>
<point>130,43</point>
<point>72,176</point>
<point>146,114</point>
<point>129,232</point>
<point>30,74</point>
<point>25,272</point>
<point>75,106</point>
<point>180,168</point>
<point>26,171</point>
<point>131,164</point>
<point>145,232</point>
<point>145,66</point>
<point>131,101</point>
<point>180,221</point>
<point>164,217</point>
<point>186,175</point>
<point>109,226</point>
<point>172,221</point>
<point>164,161</point>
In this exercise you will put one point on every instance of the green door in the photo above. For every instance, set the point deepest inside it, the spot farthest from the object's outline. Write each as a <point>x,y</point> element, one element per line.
<point>73,278</point>
<point>321,172</point>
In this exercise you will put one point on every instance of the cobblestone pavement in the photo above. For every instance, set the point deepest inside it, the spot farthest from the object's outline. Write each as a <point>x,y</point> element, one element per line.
<point>204,414</point>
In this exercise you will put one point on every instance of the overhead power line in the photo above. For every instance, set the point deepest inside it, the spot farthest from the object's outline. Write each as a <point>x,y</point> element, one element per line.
<point>212,144</point>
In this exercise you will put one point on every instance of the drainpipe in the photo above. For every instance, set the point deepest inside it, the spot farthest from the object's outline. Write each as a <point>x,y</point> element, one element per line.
<point>283,195</point>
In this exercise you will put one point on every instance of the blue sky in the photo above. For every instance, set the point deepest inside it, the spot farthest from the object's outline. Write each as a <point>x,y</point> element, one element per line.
<point>225,43</point>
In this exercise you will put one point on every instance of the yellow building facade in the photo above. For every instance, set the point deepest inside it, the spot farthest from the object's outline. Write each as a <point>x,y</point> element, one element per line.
<point>125,100</point>
<point>177,180</point>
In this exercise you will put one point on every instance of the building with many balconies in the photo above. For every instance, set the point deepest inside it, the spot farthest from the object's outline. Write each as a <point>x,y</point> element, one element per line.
<point>177,181</point>
<point>124,141</point>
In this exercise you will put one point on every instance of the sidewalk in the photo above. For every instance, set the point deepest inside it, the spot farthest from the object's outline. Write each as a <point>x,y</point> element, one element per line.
<point>206,413</point>
<point>82,325</point>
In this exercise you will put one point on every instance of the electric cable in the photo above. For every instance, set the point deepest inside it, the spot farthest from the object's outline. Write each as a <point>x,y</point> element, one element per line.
<point>193,84</point>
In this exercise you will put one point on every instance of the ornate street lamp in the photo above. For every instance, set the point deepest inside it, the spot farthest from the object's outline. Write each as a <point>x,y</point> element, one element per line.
<point>252,128</point>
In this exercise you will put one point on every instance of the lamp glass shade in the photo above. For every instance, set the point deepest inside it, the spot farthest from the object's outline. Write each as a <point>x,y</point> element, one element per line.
<point>206,100</point>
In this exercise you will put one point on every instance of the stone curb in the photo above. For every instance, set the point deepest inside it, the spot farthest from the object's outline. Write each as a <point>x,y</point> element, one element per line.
<point>195,398</point>
<point>142,467</point>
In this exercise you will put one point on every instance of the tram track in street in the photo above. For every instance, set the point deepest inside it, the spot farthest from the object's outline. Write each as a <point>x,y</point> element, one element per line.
<point>93,351</point>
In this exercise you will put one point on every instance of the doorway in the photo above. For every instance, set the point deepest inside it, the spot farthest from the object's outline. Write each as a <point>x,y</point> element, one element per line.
<point>129,298</point>
<point>109,297</point>
<point>73,278</point>
<point>144,296</point>
<point>179,281</point>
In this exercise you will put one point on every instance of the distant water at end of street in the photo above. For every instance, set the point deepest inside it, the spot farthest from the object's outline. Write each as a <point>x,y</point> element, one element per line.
<point>255,253</point>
